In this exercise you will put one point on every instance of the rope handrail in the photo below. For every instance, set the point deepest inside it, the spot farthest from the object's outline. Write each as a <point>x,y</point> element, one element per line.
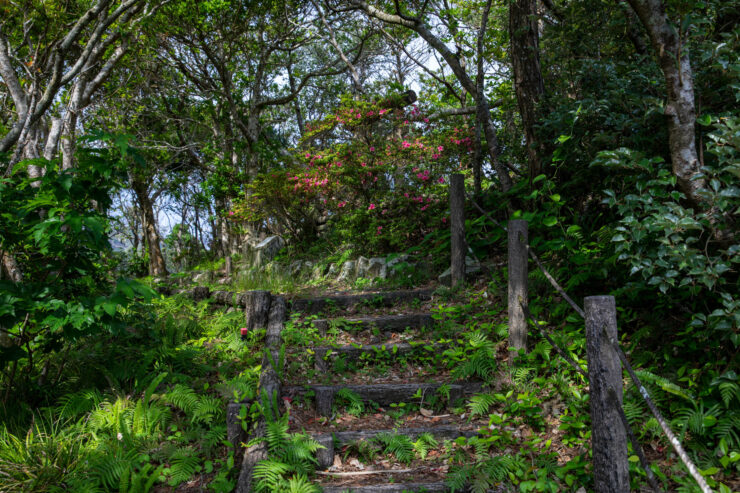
<point>644,462</point>
<point>693,470</point>
<point>560,351</point>
<point>612,394</point>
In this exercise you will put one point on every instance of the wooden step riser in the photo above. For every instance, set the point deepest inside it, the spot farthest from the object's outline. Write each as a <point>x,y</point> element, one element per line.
<point>392,351</point>
<point>319,305</point>
<point>389,488</point>
<point>325,456</point>
<point>382,394</point>
<point>390,323</point>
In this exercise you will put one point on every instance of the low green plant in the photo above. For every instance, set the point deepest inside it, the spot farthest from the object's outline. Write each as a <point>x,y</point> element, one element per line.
<point>349,400</point>
<point>291,460</point>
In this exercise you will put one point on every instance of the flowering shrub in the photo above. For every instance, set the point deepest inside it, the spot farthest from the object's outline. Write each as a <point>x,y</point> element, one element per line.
<point>376,171</point>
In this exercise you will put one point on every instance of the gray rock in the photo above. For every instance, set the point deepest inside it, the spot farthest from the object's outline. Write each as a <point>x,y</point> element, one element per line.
<point>203,277</point>
<point>377,268</point>
<point>295,267</point>
<point>404,257</point>
<point>317,273</point>
<point>347,273</point>
<point>472,267</point>
<point>267,249</point>
<point>362,266</point>
<point>333,270</point>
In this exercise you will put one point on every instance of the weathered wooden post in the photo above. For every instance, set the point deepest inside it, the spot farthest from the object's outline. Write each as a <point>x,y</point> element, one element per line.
<point>518,272</point>
<point>457,228</point>
<point>256,309</point>
<point>227,265</point>
<point>608,436</point>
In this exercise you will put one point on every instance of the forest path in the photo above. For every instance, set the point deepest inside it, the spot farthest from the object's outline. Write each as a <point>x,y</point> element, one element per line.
<point>368,385</point>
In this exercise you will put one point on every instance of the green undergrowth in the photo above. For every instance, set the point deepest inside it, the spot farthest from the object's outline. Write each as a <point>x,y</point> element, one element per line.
<point>139,412</point>
<point>538,434</point>
<point>538,438</point>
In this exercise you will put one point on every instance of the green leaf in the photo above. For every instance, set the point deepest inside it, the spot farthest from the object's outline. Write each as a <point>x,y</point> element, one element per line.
<point>550,221</point>
<point>705,120</point>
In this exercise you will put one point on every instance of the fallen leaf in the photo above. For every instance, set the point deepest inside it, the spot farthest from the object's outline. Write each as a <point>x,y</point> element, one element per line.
<point>426,412</point>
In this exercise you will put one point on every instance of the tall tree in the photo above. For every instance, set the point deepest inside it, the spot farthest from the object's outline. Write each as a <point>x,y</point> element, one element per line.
<point>44,50</point>
<point>528,83</point>
<point>670,45</point>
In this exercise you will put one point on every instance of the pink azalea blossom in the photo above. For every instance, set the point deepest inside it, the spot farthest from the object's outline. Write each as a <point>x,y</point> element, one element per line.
<point>440,148</point>
<point>441,180</point>
<point>406,145</point>
<point>231,213</point>
<point>372,206</point>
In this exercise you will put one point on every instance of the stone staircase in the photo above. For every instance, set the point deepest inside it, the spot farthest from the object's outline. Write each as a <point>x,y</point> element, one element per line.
<point>355,340</point>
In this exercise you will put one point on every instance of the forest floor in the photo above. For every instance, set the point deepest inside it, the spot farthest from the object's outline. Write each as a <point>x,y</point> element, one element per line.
<point>150,402</point>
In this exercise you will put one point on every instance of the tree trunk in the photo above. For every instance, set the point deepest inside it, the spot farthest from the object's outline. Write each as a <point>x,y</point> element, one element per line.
<point>157,267</point>
<point>528,83</point>
<point>673,58</point>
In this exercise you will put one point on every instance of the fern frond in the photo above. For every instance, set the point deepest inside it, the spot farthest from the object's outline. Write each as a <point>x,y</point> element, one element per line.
<point>72,405</point>
<point>480,404</point>
<point>423,444</point>
<point>400,446</point>
<point>183,398</point>
<point>301,484</point>
<point>269,474</point>
<point>729,391</point>
<point>634,412</point>
<point>353,402</point>
<point>207,410</point>
<point>664,384</point>
<point>184,463</point>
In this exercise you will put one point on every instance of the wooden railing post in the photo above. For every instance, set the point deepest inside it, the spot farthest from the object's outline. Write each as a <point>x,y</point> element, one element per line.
<point>608,436</point>
<point>457,228</point>
<point>256,309</point>
<point>518,272</point>
<point>227,265</point>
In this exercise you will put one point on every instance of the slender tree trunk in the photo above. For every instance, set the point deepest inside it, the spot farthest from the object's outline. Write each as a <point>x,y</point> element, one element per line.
<point>673,57</point>
<point>157,265</point>
<point>528,83</point>
<point>14,273</point>
<point>296,103</point>
<point>52,138</point>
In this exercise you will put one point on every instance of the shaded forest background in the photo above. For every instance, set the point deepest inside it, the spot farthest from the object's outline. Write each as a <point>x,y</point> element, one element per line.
<point>611,126</point>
